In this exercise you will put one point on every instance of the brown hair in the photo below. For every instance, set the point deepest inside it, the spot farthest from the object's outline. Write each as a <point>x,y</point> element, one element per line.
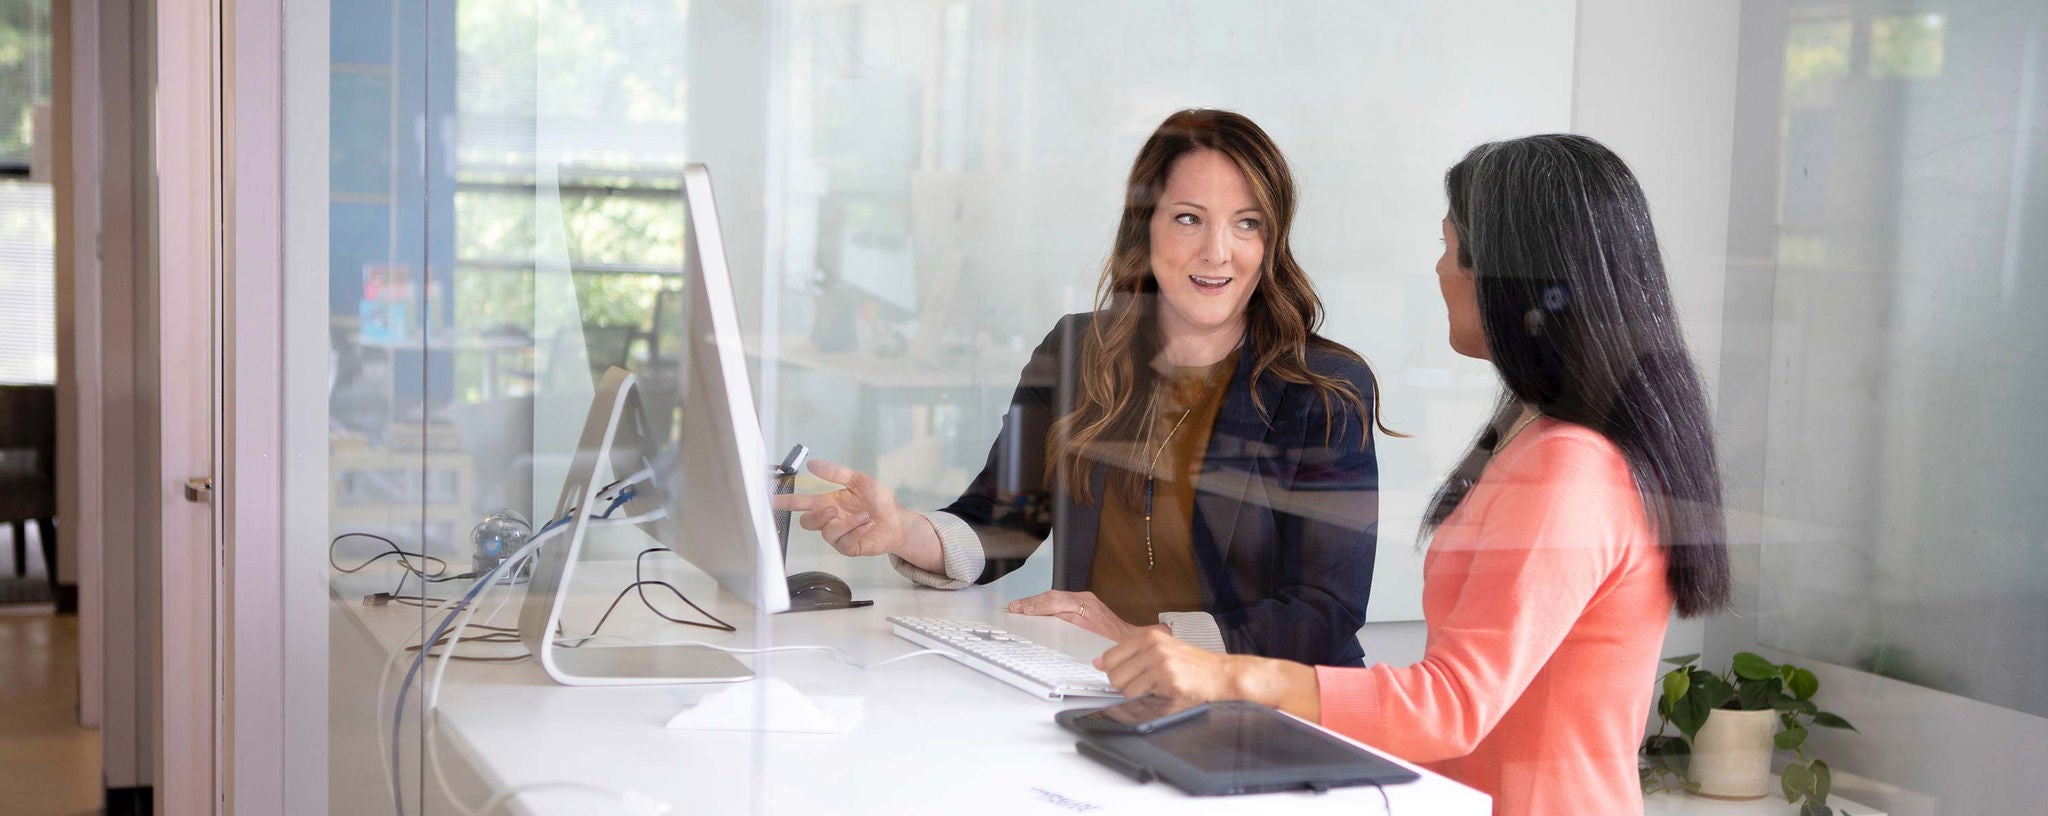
<point>1280,320</point>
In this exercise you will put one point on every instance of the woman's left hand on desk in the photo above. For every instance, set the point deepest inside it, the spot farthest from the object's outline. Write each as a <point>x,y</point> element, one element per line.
<point>1081,609</point>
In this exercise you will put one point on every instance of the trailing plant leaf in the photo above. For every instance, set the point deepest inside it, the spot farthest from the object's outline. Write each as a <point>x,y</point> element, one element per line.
<point>1796,781</point>
<point>1682,660</point>
<point>1664,762</point>
<point>1668,754</point>
<point>1802,683</point>
<point>1826,720</point>
<point>1795,705</point>
<point>1751,666</point>
<point>1823,782</point>
<point>1790,739</point>
<point>1675,685</point>
<point>1812,809</point>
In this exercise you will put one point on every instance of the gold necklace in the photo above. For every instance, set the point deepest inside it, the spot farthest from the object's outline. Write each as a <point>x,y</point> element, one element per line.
<point>1515,431</point>
<point>1152,470</point>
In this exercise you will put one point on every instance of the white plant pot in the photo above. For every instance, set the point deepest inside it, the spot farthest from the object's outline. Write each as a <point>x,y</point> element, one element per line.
<point>1731,755</point>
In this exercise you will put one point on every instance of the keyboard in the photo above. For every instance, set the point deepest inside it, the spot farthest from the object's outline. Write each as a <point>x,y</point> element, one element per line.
<point>1010,658</point>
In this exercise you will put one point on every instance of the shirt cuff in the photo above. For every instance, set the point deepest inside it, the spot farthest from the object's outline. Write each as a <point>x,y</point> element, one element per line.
<point>959,547</point>
<point>1195,628</point>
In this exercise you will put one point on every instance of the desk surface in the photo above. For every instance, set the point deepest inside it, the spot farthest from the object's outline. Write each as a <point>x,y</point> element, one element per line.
<point>935,736</point>
<point>1681,804</point>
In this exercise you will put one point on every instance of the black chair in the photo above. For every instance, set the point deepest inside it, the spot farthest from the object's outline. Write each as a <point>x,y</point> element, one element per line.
<point>28,469</point>
<point>608,346</point>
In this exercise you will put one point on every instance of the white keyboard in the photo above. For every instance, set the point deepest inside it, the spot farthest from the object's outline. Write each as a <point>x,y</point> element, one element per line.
<point>1007,657</point>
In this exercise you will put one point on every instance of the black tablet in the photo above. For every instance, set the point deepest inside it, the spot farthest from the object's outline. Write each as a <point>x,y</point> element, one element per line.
<point>1240,747</point>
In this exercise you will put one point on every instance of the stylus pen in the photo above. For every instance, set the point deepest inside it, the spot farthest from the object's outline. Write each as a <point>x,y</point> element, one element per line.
<point>785,483</point>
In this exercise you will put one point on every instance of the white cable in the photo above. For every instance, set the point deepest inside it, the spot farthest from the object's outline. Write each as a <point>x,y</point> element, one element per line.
<point>390,781</point>
<point>383,682</point>
<point>433,695</point>
<point>472,599</point>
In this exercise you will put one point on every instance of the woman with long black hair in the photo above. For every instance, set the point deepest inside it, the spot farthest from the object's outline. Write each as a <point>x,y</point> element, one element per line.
<point>1201,458</point>
<point>1586,512</point>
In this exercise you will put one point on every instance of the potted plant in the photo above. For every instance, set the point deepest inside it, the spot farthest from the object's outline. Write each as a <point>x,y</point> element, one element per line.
<point>1730,724</point>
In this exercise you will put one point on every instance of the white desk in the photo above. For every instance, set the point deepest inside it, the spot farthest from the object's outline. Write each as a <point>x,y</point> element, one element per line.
<point>1680,804</point>
<point>935,737</point>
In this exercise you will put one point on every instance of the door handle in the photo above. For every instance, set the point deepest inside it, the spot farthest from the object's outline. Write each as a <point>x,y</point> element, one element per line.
<point>199,490</point>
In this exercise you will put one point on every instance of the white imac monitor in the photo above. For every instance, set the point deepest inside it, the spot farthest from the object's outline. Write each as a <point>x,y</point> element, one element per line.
<point>712,483</point>
<point>718,512</point>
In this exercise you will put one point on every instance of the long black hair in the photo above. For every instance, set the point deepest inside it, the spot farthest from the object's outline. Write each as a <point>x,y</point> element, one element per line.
<point>1579,323</point>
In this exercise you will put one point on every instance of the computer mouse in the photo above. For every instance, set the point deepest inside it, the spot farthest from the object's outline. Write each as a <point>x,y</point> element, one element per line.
<point>818,586</point>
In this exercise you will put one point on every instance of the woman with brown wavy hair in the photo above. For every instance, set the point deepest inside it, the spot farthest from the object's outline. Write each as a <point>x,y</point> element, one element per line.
<point>1202,458</point>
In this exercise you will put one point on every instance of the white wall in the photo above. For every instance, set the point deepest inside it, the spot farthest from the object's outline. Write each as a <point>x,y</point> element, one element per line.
<point>1655,82</point>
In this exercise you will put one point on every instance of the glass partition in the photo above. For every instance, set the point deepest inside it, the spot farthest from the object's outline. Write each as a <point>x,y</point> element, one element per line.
<point>911,195</point>
<point>1905,528</point>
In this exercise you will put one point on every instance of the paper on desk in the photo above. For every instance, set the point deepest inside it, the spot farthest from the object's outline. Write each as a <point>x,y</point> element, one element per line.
<point>768,704</point>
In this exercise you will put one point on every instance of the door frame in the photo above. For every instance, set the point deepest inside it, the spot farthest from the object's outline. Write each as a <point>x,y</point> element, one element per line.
<point>186,371</point>
<point>252,618</point>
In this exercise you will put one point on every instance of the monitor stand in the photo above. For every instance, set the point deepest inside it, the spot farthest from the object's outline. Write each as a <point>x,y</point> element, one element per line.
<point>614,421</point>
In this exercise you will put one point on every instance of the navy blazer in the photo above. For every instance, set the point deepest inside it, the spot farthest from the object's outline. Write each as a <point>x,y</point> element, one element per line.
<point>1286,511</point>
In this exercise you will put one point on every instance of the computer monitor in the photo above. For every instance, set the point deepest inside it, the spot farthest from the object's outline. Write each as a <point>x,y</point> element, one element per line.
<point>712,481</point>
<point>718,516</point>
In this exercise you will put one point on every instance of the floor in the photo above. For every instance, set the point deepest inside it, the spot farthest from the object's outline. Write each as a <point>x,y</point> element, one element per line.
<point>49,766</point>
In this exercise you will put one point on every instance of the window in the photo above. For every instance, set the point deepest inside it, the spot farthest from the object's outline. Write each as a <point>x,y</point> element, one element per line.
<point>28,349</point>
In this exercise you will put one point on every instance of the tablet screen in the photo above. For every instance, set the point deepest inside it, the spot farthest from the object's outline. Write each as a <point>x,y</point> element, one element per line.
<point>1245,739</point>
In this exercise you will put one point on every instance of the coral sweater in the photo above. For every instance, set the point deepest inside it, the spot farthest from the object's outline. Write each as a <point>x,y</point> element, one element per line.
<point>1545,598</point>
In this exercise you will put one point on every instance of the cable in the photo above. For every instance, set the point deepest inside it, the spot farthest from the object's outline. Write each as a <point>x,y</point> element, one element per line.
<point>431,569</point>
<point>640,585</point>
<point>420,601</point>
<point>432,715</point>
<point>494,637</point>
<point>439,566</point>
<point>463,606</point>
<point>405,688</point>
